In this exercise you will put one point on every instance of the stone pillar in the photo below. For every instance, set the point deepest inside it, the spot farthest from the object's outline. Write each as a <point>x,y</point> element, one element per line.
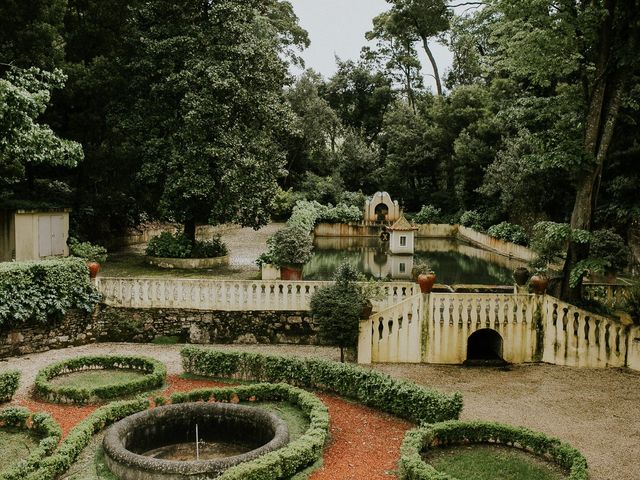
<point>364,342</point>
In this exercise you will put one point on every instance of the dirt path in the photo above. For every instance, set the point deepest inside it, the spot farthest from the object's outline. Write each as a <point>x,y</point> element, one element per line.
<point>598,411</point>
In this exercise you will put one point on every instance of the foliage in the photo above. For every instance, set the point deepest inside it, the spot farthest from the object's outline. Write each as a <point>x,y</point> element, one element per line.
<point>286,461</point>
<point>155,374</point>
<point>167,245</point>
<point>398,397</point>
<point>52,467</point>
<point>549,241</point>
<point>421,268</point>
<point>43,426</point>
<point>341,213</point>
<point>609,247</point>
<point>632,303</point>
<point>290,246</point>
<point>338,307</point>
<point>413,467</point>
<point>509,232</point>
<point>87,251</point>
<point>428,214</point>
<point>24,96</point>
<point>42,290</point>
<point>283,203</point>
<point>472,219</point>
<point>353,199</point>
<point>9,382</point>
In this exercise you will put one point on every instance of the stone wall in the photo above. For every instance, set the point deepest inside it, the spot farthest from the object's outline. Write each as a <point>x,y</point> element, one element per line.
<point>144,325</point>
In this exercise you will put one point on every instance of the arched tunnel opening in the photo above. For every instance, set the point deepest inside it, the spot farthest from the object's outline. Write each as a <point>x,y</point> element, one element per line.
<point>485,345</point>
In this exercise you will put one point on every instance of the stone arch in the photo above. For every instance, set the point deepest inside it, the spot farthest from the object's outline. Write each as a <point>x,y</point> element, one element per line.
<point>485,344</point>
<point>381,212</point>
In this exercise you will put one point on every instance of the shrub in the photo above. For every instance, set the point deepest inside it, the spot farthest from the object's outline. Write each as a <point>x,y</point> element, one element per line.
<point>341,213</point>
<point>398,397</point>
<point>609,247</point>
<point>632,303</point>
<point>338,307</point>
<point>43,426</point>
<point>428,214</point>
<point>509,232</point>
<point>167,245</point>
<point>52,467</point>
<point>290,246</point>
<point>87,251</point>
<point>286,461</point>
<point>210,248</point>
<point>305,215</point>
<point>472,219</point>
<point>353,199</point>
<point>283,202</point>
<point>413,467</point>
<point>9,382</point>
<point>155,374</point>
<point>45,289</point>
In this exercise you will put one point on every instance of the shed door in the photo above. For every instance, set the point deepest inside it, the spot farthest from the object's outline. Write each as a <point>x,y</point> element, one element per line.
<point>44,236</point>
<point>57,235</point>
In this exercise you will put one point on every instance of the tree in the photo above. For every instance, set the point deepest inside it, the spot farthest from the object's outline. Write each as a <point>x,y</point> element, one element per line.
<point>360,96</point>
<point>207,110</point>
<point>338,308</point>
<point>26,144</point>
<point>31,33</point>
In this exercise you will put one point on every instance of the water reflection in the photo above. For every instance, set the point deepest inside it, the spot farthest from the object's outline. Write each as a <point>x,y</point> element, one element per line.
<point>454,262</point>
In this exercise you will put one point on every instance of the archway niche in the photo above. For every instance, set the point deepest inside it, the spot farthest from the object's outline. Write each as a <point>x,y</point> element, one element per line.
<point>381,211</point>
<point>485,345</point>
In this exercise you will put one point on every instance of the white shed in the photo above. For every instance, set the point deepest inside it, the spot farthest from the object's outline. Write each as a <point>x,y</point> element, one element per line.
<point>402,237</point>
<point>33,234</point>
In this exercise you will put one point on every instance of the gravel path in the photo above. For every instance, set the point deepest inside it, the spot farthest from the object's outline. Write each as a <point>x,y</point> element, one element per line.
<point>598,411</point>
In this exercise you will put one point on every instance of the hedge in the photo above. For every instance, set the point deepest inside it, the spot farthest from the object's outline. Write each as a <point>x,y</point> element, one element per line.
<point>9,382</point>
<point>39,291</point>
<point>286,461</point>
<point>155,374</point>
<point>398,397</point>
<point>58,463</point>
<point>413,467</point>
<point>42,425</point>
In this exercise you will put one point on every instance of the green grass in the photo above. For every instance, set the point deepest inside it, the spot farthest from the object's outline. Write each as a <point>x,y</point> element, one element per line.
<point>96,378</point>
<point>163,340</point>
<point>479,462</point>
<point>15,445</point>
<point>135,265</point>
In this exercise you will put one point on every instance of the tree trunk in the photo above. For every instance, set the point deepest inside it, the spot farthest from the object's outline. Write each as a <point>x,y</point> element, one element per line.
<point>341,354</point>
<point>190,230</point>
<point>434,65</point>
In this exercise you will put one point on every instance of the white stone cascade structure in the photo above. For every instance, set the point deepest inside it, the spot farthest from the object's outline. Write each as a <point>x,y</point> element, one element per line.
<point>380,208</point>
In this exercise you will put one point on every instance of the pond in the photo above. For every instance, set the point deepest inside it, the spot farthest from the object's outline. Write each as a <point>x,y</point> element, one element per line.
<point>454,262</point>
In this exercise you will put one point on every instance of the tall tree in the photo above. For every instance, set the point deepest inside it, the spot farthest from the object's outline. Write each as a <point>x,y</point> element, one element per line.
<point>207,109</point>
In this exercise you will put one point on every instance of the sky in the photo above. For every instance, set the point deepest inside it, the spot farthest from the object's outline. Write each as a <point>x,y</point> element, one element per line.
<point>337,27</point>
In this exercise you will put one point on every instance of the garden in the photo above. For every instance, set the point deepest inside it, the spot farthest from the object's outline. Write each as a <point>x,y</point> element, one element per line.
<point>407,428</point>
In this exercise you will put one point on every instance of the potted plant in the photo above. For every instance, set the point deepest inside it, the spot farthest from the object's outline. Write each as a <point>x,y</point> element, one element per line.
<point>94,255</point>
<point>371,290</point>
<point>268,269</point>
<point>539,281</point>
<point>290,248</point>
<point>424,275</point>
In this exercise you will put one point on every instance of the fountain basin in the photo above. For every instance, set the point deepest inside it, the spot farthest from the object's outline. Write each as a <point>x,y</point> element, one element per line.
<point>132,446</point>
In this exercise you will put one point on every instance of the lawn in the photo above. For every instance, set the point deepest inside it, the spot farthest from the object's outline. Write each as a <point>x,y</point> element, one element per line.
<point>15,445</point>
<point>480,462</point>
<point>96,378</point>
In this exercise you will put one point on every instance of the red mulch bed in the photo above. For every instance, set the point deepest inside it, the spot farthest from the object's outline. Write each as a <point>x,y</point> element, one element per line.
<point>364,442</point>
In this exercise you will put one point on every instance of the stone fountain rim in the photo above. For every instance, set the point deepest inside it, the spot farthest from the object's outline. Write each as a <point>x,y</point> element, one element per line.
<point>113,442</point>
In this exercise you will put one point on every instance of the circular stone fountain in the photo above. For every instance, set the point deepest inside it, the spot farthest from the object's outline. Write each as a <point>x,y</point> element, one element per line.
<point>160,444</point>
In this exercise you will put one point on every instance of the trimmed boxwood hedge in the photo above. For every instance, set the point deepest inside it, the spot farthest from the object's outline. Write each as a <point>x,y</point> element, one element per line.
<point>155,375</point>
<point>401,398</point>
<point>413,467</point>
<point>55,465</point>
<point>9,382</point>
<point>286,461</point>
<point>43,426</point>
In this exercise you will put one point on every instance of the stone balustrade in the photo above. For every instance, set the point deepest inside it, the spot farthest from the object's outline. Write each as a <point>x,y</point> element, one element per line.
<point>226,295</point>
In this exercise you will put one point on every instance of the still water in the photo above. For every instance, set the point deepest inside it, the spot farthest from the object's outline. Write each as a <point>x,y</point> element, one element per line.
<point>453,261</point>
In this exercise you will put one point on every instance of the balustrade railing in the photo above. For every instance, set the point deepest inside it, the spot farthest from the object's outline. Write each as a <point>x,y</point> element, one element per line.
<point>225,295</point>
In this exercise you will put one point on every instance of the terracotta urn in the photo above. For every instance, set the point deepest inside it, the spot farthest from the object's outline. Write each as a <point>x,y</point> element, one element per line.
<point>94,268</point>
<point>539,284</point>
<point>367,310</point>
<point>291,272</point>
<point>521,275</point>
<point>426,281</point>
